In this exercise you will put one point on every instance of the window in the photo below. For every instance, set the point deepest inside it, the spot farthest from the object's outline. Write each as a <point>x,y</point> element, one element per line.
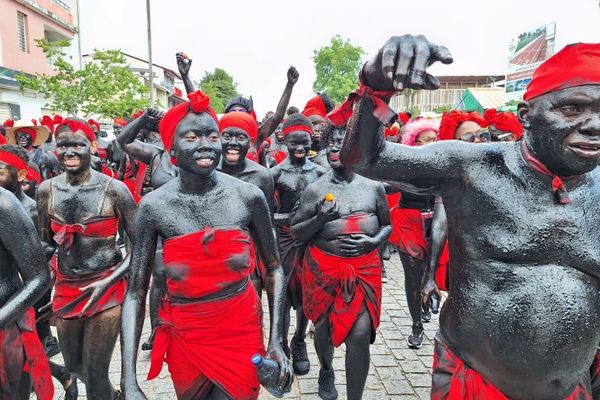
<point>22,28</point>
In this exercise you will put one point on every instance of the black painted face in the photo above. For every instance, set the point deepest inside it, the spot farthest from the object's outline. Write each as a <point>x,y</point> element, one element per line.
<point>298,144</point>
<point>117,129</point>
<point>564,129</point>
<point>74,151</point>
<point>279,133</point>
<point>197,144</point>
<point>24,139</point>
<point>333,148</point>
<point>9,178</point>
<point>237,108</point>
<point>235,144</point>
<point>317,122</point>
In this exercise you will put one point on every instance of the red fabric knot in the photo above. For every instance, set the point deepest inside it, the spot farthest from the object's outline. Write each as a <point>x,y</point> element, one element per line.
<point>341,114</point>
<point>66,234</point>
<point>558,185</point>
<point>199,101</point>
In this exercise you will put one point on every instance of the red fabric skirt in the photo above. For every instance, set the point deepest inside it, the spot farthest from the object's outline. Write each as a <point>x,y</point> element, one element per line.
<point>135,184</point>
<point>408,236</point>
<point>341,285</point>
<point>454,380</point>
<point>20,345</point>
<point>67,290</point>
<point>210,343</point>
<point>292,255</point>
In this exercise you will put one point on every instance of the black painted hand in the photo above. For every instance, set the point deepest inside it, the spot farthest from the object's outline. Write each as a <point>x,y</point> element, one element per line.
<point>153,116</point>
<point>356,244</point>
<point>402,62</point>
<point>328,210</point>
<point>98,289</point>
<point>429,288</point>
<point>183,63</point>
<point>292,75</point>
<point>286,378</point>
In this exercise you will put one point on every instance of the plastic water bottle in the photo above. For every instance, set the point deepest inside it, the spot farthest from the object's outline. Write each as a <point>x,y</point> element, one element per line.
<point>268,374</point>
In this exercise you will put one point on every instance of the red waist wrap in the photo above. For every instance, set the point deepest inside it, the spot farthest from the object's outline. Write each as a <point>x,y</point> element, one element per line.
<point>204,262</point>
<point>340,285</point>
<point>392,200</point>
<point>20,345</point>
<point>67,292</point>
<point>292,254</point>
<point>454,380</point>
<point>408,236</point>
<point>135,183</point>
<point>210,343</point>
<point>65,233</point>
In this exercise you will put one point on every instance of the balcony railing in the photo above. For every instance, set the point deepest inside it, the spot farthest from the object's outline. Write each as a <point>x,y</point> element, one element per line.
<point>62,5</point>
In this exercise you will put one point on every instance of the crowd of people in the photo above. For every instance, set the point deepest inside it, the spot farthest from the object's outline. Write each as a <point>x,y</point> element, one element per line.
<point>207,212</point>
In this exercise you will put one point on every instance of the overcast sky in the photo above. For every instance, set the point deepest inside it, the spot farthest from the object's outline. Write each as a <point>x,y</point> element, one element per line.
<point>256,41</point>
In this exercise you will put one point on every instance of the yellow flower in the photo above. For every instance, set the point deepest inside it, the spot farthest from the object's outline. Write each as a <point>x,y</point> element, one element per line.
<point>329,197</point>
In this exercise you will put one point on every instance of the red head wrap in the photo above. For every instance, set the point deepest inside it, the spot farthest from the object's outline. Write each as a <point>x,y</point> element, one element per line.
<point>33,175</point>
<point>198,103</point>
<point>120,121</point>
<point>575,65</point>
<point>137,114</point>
<point>393,131</point>
<point>57,119</point>
<point>48,123</point>
<point>504,121</point>
<point>34,122</point>
<point>12,160</point>
<point>451,120</point>
<point>315,106</point>
<point>94,123</point>
<point>294,128</point>
<point>403,117</point>
<point>75,126</point>
<point>241,120</point>
<point>32,132</point>
<point>9,123</point>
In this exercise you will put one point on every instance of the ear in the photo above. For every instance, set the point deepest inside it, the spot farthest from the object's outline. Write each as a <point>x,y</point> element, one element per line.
<point>523,113</point>
<point>22,175</point>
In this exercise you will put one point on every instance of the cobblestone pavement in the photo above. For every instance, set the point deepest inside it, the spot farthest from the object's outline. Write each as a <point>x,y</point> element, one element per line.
<point>396,371</point>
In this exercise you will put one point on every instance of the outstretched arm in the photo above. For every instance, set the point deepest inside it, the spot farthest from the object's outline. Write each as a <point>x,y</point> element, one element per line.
<point>22,244</point>
<point>140,151</point>
<point>400,64</point>
<point>184,64</point>
<point>269,126</point>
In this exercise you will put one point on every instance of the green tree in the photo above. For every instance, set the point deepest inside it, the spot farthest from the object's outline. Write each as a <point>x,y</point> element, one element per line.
<point>337,67</point>
<point>220,87</point>
<point>442,108</point>
<point>104,87</point>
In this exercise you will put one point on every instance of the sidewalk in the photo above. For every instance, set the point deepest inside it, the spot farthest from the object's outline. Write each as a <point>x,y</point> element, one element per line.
<point>396,372</point>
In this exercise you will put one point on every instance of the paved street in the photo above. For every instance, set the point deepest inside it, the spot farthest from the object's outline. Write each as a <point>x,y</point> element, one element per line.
<point>396,372</point>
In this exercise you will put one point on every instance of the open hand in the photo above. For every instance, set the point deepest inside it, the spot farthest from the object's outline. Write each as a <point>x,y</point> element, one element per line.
<point>402,62</point>
<point>286,378</point>
<point>183,63</point>
<point>356,244</point>
<point>98,289</point>
<point>292,75</point>
<point>428,289</point>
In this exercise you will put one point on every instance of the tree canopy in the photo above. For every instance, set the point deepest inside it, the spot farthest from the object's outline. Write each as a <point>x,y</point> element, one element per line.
<point>220,87</point>
<point>105,86</point>
<point>337,67</point>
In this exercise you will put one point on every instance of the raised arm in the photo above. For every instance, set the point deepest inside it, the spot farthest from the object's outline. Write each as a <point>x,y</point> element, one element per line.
<point>269,126</point>
<point>140,151</point>
<point>274,281</point>
<point>184,64</point>
<point>21,242</point>
<point>132,320</point>
<point>400,64</point>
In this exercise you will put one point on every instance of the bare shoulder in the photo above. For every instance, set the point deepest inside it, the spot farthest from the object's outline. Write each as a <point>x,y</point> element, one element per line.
<point>8,202</point>
<point>245,190</point>
<point>369,184</point>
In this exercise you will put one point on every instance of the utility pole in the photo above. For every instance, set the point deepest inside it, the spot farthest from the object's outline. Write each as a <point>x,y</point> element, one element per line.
<point>148,19</point>
<point>79,36</point>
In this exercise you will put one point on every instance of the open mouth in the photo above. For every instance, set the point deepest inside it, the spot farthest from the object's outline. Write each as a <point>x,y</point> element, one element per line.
<point>585,150</point>
<point>71,162</point>
<point>299,154</point>
<point>205,162</point>
<point>334,156</point>
<point>232,155</point>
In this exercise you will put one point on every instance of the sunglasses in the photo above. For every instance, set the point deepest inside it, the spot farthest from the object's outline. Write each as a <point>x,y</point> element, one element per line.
<point>483,135</point>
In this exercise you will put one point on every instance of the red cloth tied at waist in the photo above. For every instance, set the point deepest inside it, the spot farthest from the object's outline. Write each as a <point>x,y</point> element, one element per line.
<point>340,285</point>
<point>454,380</point>
<point>292,254</point>
<point>204,262</point>
<point>212,342</point>
<point>69,300</point>
<point>64,234</point>
<point>20,345</point>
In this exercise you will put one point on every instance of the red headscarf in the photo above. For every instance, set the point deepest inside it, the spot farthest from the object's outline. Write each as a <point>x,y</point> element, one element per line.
<point>34,122</point>
<point>137,114</point>
<point>9,123</point>
<point>392,131</point>
<point>94,123</point>
<point>120,122</point>
<point>33,175</point>
<point>32,132</point>
<point>243,121</point>
<point>504,121</point>
<point>48,123</point>
<point>403,117</point>
<point>57,119</point>
<point>575,65</point>
<point>451,120</point>
<point>315,106</point>
<point>74,126</point>
<point>198,103</point>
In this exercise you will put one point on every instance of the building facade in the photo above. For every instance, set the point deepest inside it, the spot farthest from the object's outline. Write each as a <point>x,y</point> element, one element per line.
<point>21,23</point>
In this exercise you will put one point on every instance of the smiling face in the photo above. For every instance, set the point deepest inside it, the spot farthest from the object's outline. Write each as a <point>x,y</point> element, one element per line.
<point>298,144</point>
<point>564,129</point>
<point>197,144</point>
<point>317,123</point>
<point>334,144</point>
<point>24,139</point>
<point>74,150</point>
<point>235,144</point>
